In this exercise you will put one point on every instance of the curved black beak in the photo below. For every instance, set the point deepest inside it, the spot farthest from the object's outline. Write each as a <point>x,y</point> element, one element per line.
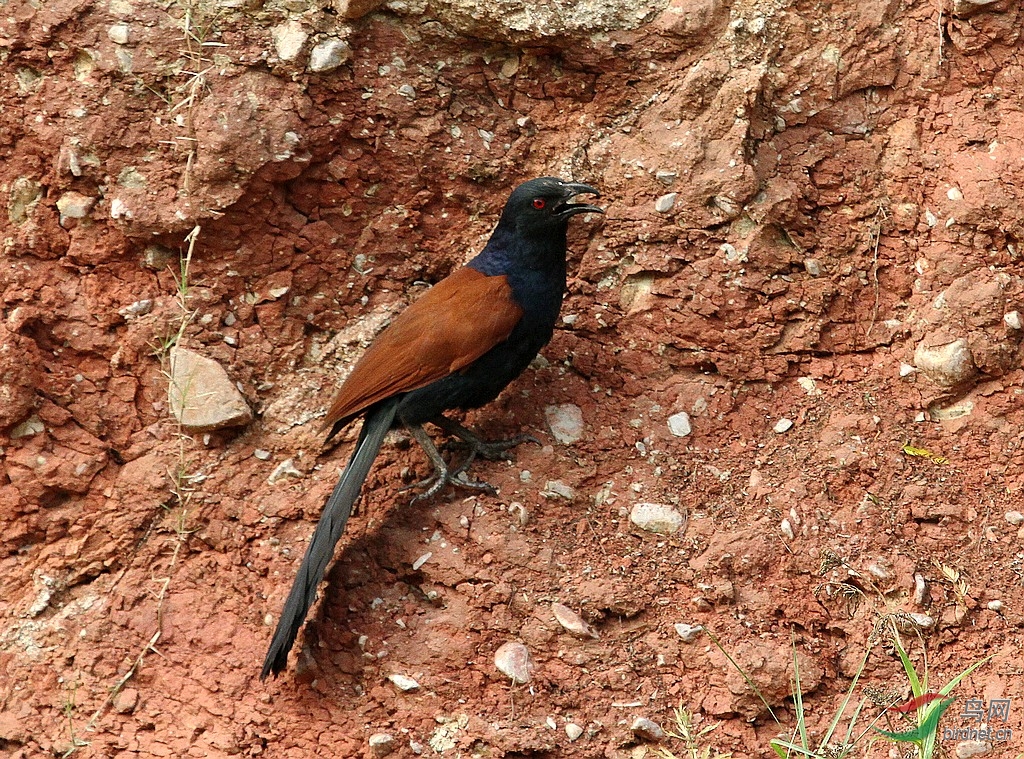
<point>571,190</point>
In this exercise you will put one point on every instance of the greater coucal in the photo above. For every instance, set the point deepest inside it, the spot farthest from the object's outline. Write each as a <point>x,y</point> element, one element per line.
<point>457,346</point>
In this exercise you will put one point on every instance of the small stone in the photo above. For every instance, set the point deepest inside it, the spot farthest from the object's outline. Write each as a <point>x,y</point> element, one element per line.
<point>647,730</point>
<point>922,620</point>
<point>971,749</point>
<point>787,529</point>
<point>328,54</point>
<point>573,731</point>
<point>656,517</point>
<point>288,40</point>
<point>996,605</point>
<point>403,683</point>
<point>118,34</point>
<point>201,395</point>
<point>572,622</point>
<point>687,632</point>
<point>907,369</point>
<point>285,469</point>
<point>1013,320</point>
<point>421,561</point>
<point>558,489</point>
<point>877,571</point>
<point>665,202</point>
<point>355,8</point>
<point>382,744</point>
<point>261,454</point>
<point>74,205</point>
<point>813,267</point>
<point>945,363</point>
<point>407,91</point>
<point>138,308</point>
<point>809,386</point>
<point>679,424</point>
<point>566,422</point>
<point>31,426</point>
<point>1014,517</point>
<point>550,722</point>
<point>920,590</point>
<point>513,660</point>
<point>125,701</point>
<point>119,210</point>
<point>783,425</point>
<point>666,177</point>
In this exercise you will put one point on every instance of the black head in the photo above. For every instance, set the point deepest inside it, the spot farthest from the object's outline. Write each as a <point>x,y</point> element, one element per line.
<point>543,205</point>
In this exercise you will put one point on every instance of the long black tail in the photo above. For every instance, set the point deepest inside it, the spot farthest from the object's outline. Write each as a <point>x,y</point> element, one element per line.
<point>325,537</point>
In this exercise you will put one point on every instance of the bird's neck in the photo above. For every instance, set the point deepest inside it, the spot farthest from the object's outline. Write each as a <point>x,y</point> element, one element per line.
<point>508,250</point>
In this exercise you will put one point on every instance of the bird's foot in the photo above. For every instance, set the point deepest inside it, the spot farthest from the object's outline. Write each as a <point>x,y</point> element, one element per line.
<point>442,476</point>
<point>492,450</point>
<point>497,450</point>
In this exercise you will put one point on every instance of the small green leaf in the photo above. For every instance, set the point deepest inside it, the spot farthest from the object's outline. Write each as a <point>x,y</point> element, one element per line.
<point>922,731</point>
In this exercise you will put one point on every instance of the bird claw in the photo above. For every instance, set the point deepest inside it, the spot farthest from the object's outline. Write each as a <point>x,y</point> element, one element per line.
<point>492,450</point>
<point>446,475</point>
<point>436,482</point>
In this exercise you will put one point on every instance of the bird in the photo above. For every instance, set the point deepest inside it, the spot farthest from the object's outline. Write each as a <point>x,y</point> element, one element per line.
<point>455,347</point>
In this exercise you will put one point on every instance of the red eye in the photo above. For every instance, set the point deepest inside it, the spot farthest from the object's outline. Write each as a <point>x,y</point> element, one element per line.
<point>539,203</point>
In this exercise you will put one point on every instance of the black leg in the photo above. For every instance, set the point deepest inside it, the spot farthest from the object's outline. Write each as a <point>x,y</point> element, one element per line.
<point>492,450</point>
<point>442,474</point>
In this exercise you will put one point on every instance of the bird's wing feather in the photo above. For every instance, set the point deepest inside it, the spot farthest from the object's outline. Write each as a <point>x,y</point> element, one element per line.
<point>454,323</point>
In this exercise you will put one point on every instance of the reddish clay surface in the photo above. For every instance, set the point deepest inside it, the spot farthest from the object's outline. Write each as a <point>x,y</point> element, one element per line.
<point>848,182</point>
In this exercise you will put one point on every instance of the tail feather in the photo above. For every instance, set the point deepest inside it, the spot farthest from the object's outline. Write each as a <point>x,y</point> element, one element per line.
<point>325,537</point>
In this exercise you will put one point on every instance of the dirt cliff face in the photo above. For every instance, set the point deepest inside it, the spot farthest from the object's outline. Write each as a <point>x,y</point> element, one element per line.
<point>811,250</point>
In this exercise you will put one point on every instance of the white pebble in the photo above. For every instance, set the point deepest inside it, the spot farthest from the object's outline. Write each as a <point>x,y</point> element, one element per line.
<point>906,370</point>
<point>403,683</point>
<point>787,529</point>
<point>572,622</point>
<point>808,385</point>
<point>946,364</point>
<point>783,425</point>
<point>923,620</point>
<point>566,422</point>
<point>261,454</point>
<point>573,730</point>
<point>679,424</point>
<point>382,744</point>
<point>285,469</point>
<point>647,730</point>
<point>687,632</point>
<point>877,571</point>
<point>1014,517</point>
<point>1013,320</point>
<point>656,517</point>
<point>996,605</point>
<point>513,660</point>
<point>920,590</point>
<point>665,202</point>
<point>421,561</point>
<point>813,267</point>
<point>118,34</point>
<point>288,39</point>
<point>558,489</point>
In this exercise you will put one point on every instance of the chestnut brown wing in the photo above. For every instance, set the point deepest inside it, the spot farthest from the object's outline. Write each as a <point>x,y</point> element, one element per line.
<point>450,326</point>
